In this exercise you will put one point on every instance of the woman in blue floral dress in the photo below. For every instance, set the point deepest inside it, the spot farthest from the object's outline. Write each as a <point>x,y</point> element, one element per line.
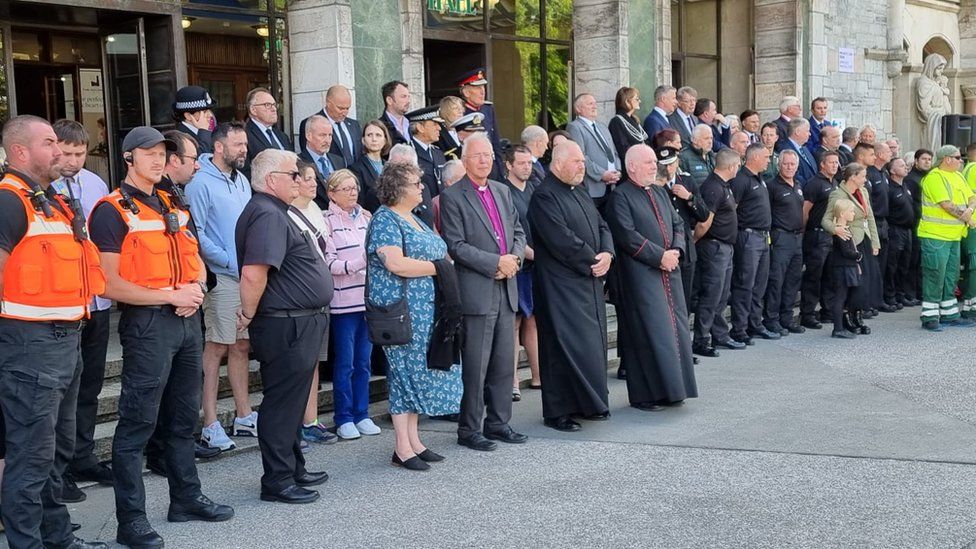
<point>401,247</point>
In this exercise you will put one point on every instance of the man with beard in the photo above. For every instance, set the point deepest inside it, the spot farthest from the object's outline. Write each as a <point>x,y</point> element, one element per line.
<point>573,252</point>
<point>817,243</point>
<point>217,196</point>
<point>650,241</point>
<point>913,184</point>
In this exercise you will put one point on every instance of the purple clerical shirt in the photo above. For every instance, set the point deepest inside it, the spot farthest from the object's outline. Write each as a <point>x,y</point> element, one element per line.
<point>488,202</point>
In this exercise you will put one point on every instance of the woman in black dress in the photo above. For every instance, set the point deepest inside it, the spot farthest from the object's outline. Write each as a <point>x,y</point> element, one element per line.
<point>625,129</point>
<point>376,145</point>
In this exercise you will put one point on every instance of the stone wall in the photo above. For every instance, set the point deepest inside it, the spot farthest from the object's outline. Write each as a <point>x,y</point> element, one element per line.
<point>777,31</point>
<point>642,24</point>
<point>601,51</point>
<point>378,52</point>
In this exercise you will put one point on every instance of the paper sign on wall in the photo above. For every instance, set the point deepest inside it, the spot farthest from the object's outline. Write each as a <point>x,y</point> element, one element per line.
<point>92,92</point>
<point>845,59</point>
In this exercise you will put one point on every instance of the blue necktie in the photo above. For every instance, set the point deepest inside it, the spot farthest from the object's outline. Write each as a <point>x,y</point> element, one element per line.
<point>326,169</point>
<point>273,140</point>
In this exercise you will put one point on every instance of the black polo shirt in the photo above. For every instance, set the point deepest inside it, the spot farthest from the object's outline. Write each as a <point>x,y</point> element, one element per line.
<point>107,228</point>
<point>717,195</point>
<point>786,205</point>
<point>878,186</point>
<point>752,197</point>
<point>901,205</point>
<point>817,192</point>
<point>298,278</point>
<point>13,219</point>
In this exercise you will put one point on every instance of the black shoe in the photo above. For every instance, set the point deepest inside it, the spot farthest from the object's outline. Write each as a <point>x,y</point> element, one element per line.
<point>562,423</point>
<point>70,493</point>
<point>100,473</point>
<point>843,334</point>
<point>859,322</point>
<point>898,305</point>
<point>705,350</point>
<point>293,494</point>
<point>769,333</point>
<point>813,324</point>
<point>78,543</point>
<point>477,441</point>
<point>447,417</point>
<point>430,456</point>
<point>648,406</point>
<point>507,435</point>
<point>138,534</point>
<point>413,464</point>
<point>795,329</point>
<point>603,416</point>
<point>201,508</point>
<point>731,344</point>
<point>157,466</point>
<point>621,373</point>
<point>674,404</point>
<point>75,527</point>
<point>886,308</point>
<point>202,451</point>
<point>747,339</point>
<point>311,479</point>
<point>694,360</point>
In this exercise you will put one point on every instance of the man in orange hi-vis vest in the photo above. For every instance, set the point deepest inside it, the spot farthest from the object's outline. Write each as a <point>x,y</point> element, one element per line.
<point>153,270</point>
<point>50,273</point>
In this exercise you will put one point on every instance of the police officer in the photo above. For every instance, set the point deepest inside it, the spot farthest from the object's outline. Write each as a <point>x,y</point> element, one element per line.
<point>425,131</point>
<point>816,242</point>
<point>715,239</point>
<point>154,271</point>
<point>786,247</point>
<point>878,187</point>
<point>193,111</point>
<point>751,259</point>
<point>50,273</point>
<point>474,89</point>
<point>901,222</point>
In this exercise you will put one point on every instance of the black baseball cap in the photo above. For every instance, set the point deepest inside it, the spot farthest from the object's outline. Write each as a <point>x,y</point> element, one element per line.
<point>145,137</point>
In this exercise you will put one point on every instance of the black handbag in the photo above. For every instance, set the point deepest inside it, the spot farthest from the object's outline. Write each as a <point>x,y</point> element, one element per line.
<point>389,324</point>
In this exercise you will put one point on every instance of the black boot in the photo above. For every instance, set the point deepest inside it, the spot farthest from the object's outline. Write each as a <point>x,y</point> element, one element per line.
<point>859,322</point>
<point>849,323</point>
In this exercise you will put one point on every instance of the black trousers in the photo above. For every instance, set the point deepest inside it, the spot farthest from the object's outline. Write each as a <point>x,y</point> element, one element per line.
<point>785,272</point>
<point>288,350</point>
<point>162,368</point>
<point>845,297</point>
<point>898,283</point>
<point>750,273</point>
<point>715,282</point>
<point>815,286</point>
<point>877,289</point>
<point>39,376</point>
<point>688,284</point>
<point>915,268</point>
<point>94,347</point>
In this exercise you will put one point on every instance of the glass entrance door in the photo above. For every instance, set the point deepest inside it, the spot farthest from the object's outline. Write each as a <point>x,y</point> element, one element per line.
<point>123,48</point>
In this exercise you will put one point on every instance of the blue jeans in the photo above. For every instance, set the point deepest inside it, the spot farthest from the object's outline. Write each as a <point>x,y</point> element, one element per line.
<point>350,370</point>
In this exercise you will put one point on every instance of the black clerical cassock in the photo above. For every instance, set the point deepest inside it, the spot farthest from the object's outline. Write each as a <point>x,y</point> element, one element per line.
<point>658,359</point>
<point>568,233</point>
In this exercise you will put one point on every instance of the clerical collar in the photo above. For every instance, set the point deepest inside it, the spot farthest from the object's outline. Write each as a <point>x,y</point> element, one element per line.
<point>479,188</point>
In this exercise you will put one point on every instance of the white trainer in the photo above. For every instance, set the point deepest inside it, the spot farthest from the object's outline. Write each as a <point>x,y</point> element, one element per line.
<point>367,427</point>
<point>213,435</point>
<point>347,431</point>
<point>246,426</point>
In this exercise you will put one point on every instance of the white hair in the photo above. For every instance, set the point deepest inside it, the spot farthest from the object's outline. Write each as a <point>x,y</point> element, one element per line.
<point>787,102</point>
<point>452,171</point>
<point>401,152</point>
<point>472,139</point>
<point>700,131</point>
<point>532,133</point>
<point>313,122</point>
<point>267,161</point>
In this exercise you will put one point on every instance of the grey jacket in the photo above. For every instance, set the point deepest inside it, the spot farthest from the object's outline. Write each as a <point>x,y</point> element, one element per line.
<point>597,161</point>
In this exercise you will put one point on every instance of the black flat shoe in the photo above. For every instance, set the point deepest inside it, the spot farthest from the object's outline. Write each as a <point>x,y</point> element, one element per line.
<point>430,456</point>
<point>621,373</point>
<point>506,435</point>
<point>293,494</point>
<point>706,351</point>
<point>312,479</point>
<point>812,324</point>
<point>562,423</point>
<point>478,442</point>
<point>75,527</point>
<point>603,416</point>
<point>648,406</point>
<point>100,473</point>
<point>795,329</point>
<point>694,360</point>
<point>413,464</point>
<point>674,404</point>
<point>731,344</point>
<point>201,508</point>
<point>843,334</point>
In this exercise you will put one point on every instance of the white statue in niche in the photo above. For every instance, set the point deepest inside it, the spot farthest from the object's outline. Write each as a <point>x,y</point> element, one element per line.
<point>932,100</point>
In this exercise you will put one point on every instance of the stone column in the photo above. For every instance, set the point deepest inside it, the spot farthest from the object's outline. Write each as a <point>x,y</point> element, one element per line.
<point>320,53</point>
<point>777,30</point>
<point>663,57</point>
<point>412,18</point>
<point>601,51</point>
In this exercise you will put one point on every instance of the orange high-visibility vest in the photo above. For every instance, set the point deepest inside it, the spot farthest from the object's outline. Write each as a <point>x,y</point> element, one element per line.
<point>49,275</point>
<point>151,256</point>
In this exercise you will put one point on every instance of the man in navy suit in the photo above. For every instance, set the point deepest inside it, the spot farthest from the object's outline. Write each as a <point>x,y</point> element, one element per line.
<point>683,118</point>
<point>347,134</point>
<point>262,134</point>
<point>789,108</point>
<point>319,137</point>
<point>798,133</point>
<point>536,140</point>
<point>665,101</point>
<point>396,101</point>
<point>818,119</point>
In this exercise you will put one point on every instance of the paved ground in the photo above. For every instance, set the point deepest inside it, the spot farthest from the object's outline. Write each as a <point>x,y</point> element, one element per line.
<point>805,442</point>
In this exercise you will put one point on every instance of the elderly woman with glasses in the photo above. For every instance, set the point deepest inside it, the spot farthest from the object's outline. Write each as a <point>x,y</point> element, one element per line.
<point>346,256</point>
<point>401,251</point>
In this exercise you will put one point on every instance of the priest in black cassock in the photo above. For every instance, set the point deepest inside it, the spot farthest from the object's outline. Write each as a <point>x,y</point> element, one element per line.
<point>649,236</point>
<point>573,252</point>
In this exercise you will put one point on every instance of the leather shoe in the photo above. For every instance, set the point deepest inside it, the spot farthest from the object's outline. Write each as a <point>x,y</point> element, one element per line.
<point>75,527</point>
<point>100,473</point>
<point>705,350</point>
<point>621,373</point>
<point>312,479</point>
<point>138,534</point>
<point>202,451</point>
<point>886,308</point>
<point>78,543</point>
<point>694,360</point>
<point>201,508</point>
<point>648,406</point>
<point>602,416</point>
<point>293,494</point>
<point>157,466</point>
<point>507,435</point>
<point>766,333</point>
<point>795,329</point>
<point>477,441</point>
<point>731,344</point>
<point>70,493</point>
<point>843,334</point>
<point>562,423</point>
<point>813,324</point>
<point>430,456</point>
<point>413,464</point>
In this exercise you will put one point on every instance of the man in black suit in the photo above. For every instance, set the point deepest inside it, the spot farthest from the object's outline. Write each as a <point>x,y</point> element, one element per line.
<point>319,137</point>
<point>347,134</point>
<point>396,98</point>
<point>425,130</point>
<point>536,140</point>
<point>789,108</point>
<point>682,119</point>
<point>261,131</point>
<point>829,141</point>
<point>848,142</point>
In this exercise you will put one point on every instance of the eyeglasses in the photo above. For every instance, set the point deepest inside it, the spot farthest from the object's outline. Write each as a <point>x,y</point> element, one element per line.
<point>956,157</point>
<point>346,189</point>
<point>188,157</point>
<point>294,175</point>
<point>267,105</point>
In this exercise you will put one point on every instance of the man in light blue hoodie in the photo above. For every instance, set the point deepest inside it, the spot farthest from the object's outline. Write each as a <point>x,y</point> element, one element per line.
<point>217,195</point>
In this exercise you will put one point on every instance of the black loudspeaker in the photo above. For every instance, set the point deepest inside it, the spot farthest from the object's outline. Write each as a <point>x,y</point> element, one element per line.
<point>957,129</point>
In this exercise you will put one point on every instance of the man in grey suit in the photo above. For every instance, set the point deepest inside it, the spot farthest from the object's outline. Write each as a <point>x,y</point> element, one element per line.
<point>481,227</point>
<point>683,118</point>
<point>602,163</point>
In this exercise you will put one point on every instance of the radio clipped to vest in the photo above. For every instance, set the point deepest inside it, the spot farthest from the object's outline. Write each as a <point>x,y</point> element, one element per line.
<point>171,219</point>
<point>40,201</point>
<point>78,226</point>
<point>127,201</point>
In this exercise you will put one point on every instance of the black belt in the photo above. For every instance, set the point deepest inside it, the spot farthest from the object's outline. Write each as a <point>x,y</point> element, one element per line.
<point>126,306</point>
<point>763,232</point>
<point>296,313</point>
<point>799,231</point>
